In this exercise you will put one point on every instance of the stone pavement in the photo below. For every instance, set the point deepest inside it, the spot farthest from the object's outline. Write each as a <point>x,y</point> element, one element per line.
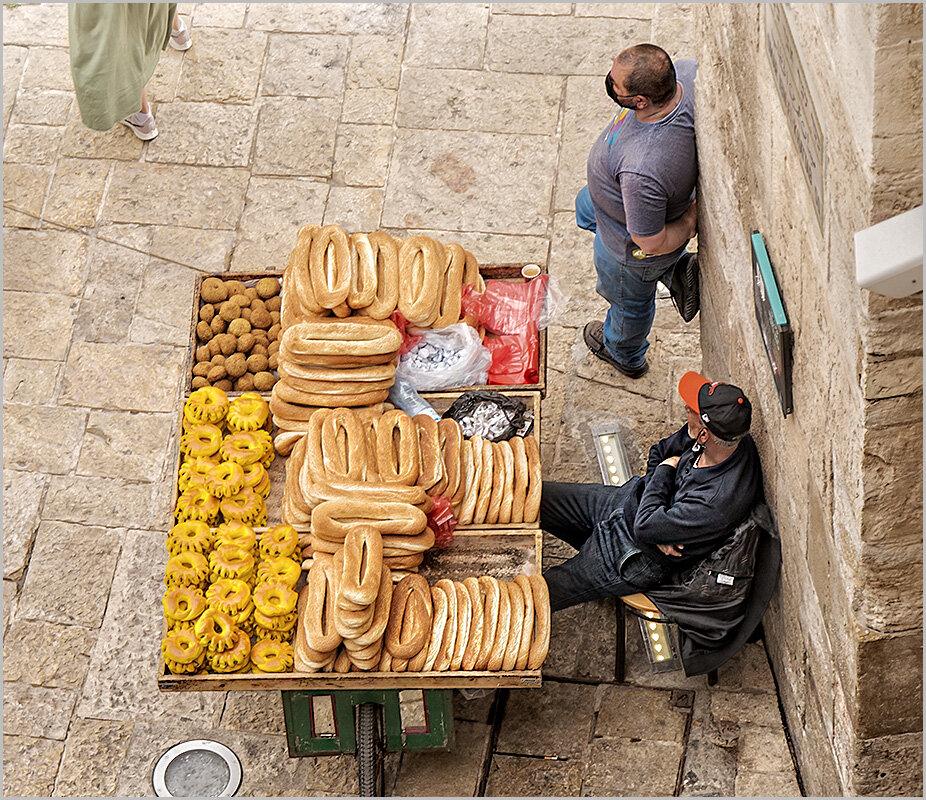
<point>471,122</point>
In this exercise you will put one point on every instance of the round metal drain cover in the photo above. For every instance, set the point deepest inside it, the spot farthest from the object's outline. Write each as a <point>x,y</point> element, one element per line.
<point>198,768</point>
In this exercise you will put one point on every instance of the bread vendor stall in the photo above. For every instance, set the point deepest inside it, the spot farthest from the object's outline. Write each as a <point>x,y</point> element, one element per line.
<point>340,537</point>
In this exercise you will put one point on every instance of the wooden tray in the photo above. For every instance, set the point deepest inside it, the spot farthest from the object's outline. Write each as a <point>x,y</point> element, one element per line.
<point>473,553</point>
<point>501,272</point>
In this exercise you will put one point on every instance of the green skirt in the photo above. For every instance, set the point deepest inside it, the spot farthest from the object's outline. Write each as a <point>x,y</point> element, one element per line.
<point>114,50</point>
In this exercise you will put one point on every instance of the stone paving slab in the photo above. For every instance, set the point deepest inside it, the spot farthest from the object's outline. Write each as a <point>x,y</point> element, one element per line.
<point>468,122</point>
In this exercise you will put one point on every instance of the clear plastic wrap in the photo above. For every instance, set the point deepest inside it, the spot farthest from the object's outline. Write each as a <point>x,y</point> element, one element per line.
<point>445,359</point>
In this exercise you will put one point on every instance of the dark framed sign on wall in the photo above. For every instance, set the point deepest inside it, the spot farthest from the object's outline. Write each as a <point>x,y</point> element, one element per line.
<point>773,321</point>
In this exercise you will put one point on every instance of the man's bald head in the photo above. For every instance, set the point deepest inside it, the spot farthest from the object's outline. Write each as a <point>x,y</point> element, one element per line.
<point>647,70</point>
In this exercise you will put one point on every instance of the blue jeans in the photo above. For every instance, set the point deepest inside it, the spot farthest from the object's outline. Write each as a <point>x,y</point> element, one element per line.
<point>629,288</point>
<point>608,564</point>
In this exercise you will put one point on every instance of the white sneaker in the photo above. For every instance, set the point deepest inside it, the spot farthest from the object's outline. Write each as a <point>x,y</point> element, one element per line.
<point>180,37</point>
<point>142,125</point>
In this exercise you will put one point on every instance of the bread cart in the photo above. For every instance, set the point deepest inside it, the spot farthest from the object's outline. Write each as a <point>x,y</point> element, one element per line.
<point>368,713</point>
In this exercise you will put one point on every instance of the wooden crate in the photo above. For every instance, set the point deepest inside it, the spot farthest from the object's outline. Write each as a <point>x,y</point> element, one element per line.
<point>502,272</point>
<point>472,553</point>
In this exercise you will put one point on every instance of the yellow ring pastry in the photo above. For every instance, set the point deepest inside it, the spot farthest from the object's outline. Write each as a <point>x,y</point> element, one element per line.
<point>242,448</point>
<point>237,533</point>
<point>183,603</point>
<point>246,506</point>
<point>197,504</point>
<point>193,471</point>
<point>232,659</point>
<point>270,656</point>
<point>230,561</point>
<point>261,632</point>
<point>181,647</point>
<point>254,475</point>
<point>215,630</point>
<point>207,404</point>
<point>279,541</point>
<point>189,536</point>
<point>279,570</point>
<point>228,595</point>
<point>201,441</point>
<point>244,619</point>
<point>284,623</point>
<point>248,413</point>
<point>186,569</point>
<point>225,479</point>
<point>274,600</point>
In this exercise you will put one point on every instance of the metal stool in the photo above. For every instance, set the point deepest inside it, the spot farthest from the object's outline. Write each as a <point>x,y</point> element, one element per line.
<point>660,635</point>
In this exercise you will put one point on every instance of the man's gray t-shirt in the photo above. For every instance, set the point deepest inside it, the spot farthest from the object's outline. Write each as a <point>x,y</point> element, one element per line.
<point>642,175</point>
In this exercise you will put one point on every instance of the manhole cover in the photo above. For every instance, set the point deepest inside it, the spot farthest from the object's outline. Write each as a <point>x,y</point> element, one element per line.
<point>198,768</point>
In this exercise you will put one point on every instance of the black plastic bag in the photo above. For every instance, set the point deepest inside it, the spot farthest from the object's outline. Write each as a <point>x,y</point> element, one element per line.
<point>685,288</point>
<point>492,415</point>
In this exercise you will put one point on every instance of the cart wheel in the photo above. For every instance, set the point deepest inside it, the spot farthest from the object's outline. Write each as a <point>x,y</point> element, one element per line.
<point>369,750</point>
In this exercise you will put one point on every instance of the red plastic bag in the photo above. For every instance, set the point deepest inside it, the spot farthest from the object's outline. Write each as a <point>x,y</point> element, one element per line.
<point>409,340</point>
<point>442,521</point>
<point>515,357</point>
<point>507,307</point>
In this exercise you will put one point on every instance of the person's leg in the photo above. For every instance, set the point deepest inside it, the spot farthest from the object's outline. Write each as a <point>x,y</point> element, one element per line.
<point>180,35</point>
<point>633,306</point>
<point>585,211</point>
<point>570,511</point>
<point>145,106</point>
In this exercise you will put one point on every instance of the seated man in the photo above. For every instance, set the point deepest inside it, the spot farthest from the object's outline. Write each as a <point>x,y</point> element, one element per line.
<point>700,483</point>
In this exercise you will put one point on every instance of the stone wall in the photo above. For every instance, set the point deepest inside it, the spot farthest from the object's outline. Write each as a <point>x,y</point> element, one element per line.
<point>844,471</point>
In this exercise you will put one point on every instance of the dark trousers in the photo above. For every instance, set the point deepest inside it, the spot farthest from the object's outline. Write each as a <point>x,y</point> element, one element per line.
<point>609,564</point>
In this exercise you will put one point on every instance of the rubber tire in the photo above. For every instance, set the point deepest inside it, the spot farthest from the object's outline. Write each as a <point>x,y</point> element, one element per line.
<point>369,751</point>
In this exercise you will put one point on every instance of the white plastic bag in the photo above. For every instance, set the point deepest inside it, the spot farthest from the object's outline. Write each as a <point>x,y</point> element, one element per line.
<point>445,358</point>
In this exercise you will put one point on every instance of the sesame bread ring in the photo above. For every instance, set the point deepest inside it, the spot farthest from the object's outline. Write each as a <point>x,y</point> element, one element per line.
<point>386,260</point>
<point>215,630</point>
<point>189,536</point>
<point>230,561</point>
<point>237,534</point>
<point>408,562</point>
<point>499,484</point>
<point>207,404</point>
<point>318,618</point>
<point>332,519</point>
<point>270,656</point>
<point>279,570</point>
<point>439,624</point>
<point>491,602</point>
<point>186,569</point>
<point>398,545</point>
<point>228,595</point>
<point>398,457</point>
<point>297,280</point>
<point>344,445</point>
<point>431,464</point>
<point>451,444</point>
<point>499,646</point>
<point>471,270</point>
<point>183,603</point>
<point>274,600</point>
<point>225,479</point>
<point>451,295</point>
<point>504,510</point>
<point>349,397</point>
<point>519,488</point>
<point>181,647</point>
<point>374,634</point>
<point>516,626</point>
<point>363,271</point>
<point>527,626</point>
<point>535,483</point>
<point>247,413</point>
<point>474,641</point>
<point>421,266</point>
<point>244,447</point>
<point>201,441</point>
<point>486,480</point>
<point>330,266</point>
<point>471,472</point>
<point>246,506</point>
<point>449,639</point>
<point>368,492</point>
<point>309,341</point>
<point>540,638</point>
<point>281,540</point>
<point>196,503</point>
<point>464,623</point>
<point>411,598</point>
<point>363,565</point>
<point>193,472</point>
<point>234,657</point>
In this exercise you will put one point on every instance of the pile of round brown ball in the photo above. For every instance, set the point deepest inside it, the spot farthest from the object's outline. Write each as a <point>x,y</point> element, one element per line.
<point>237,335</point>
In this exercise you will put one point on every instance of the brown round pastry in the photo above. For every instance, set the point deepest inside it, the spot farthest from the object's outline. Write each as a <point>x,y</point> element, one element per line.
<point>233,285</point>
<point>267,287</point>
<point>202,353</point>
<point>229,310</point>
<point>245,383</point>
<point>246,314</point>
<point>238,327</point>
<point>213,290</point>
<point>207,312</point>
<point>257,363</point>
<point>227,343</point>
<point>264,381</point>
<point>236,365</point>
<point>201,369</point>
<point>273,306</point>
<point>260,318</point>
<point>218,360</point>
<point>218,324</point>
<point>216,373</point>
<point>273,332</point>
<point>203,331</point>
<point>225,385</point>
<point>245,343</point>
<point>199,382</point>
<point>251,293</point>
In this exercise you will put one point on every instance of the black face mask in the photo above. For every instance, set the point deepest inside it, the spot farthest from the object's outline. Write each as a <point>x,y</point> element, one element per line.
<point>609,88</point>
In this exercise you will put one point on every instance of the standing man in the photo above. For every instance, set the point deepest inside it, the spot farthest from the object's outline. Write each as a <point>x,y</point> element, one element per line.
<point>639,200</point>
